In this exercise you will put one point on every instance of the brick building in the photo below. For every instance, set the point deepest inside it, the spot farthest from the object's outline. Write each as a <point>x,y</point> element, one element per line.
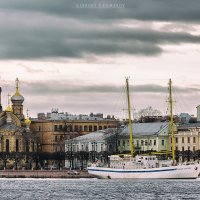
<point>54,128</point>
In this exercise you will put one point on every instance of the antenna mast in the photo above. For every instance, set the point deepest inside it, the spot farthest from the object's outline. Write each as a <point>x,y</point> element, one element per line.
<point>171,120</point>
<point>129,118</point>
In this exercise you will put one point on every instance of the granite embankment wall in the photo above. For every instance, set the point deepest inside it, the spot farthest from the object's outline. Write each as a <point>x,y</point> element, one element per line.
<point>41,174</point>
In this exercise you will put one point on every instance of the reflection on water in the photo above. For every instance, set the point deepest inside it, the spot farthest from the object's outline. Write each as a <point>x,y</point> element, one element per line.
<point>98,189</point>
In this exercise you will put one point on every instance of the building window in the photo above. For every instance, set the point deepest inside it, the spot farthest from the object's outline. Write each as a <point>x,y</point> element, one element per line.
<point>77,147</point>
<point>7,145</point>
<point>90,128</point>
<point>183,149</point>
<point>142,142</point>
<point>194,140</point>
<point>85,128</point>
<point>137,143</point>
<point>163,142</point>
<point>27,146</point>
<point>154,142</point>
<point>104,127</point>
<point>56,138</point>
<point>124,143</point>
<point>55,127</point>
<point>146,142</point>
<point>70,129</point>
<point>65,127</point>
<point>194,149</point>
<point>33,146</point>
<point>60,127</point>
<point>101,147</point>
<point>80,128</point>
<point>188,139</point>
<point>118,142</point>
<point>182,139</point>
<point>86,148</point>
<point>176,148</point>
<point>39,128</point>
<point>188,148</point>
<point>128,142</point>
<point>76,128</point>
<point>73,148</point>
<point>17,145</point>
<point>100,127</point>
<point>95,128</point>
<point>150,142</point>
<point>176,140</point>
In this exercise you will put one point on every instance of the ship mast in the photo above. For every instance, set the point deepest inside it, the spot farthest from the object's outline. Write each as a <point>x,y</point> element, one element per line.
<point>171,120</point>
<point>129,118</point>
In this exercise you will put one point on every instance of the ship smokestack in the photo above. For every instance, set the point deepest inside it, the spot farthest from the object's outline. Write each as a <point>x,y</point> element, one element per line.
<point>0,100</point>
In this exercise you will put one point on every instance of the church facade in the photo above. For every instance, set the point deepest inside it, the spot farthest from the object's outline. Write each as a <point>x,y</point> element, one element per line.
<point>16,139</point>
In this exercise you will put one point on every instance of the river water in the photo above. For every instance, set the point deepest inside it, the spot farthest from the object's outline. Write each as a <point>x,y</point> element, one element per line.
<point>95,189</point>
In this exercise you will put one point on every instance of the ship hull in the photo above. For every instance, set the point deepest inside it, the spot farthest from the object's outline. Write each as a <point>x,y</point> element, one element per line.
<point>173,172</point>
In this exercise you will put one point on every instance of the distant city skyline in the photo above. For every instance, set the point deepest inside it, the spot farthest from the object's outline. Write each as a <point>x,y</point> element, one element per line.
<point>76,59</point>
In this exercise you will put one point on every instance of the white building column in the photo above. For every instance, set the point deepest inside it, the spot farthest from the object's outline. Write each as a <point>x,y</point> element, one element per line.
<point>157,143</point>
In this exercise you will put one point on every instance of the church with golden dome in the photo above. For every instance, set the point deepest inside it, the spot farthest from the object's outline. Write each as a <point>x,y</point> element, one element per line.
<point>17,142</point>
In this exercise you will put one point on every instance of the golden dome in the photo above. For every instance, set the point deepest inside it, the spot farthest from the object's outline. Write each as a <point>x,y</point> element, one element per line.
<point>27,120</point>
<point>8,109</point>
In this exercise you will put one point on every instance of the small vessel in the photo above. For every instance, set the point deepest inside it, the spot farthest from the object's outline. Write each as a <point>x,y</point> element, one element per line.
<point>144,166</point>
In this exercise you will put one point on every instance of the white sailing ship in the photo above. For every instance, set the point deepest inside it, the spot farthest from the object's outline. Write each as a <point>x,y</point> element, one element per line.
<point>144,166</point>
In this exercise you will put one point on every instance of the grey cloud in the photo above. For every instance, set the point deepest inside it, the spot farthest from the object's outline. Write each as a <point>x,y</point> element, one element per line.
<point>51,29</point>
<point>77,98</point>
<point>53,87</point>
<point>74,42</point>
<point>176,10</point>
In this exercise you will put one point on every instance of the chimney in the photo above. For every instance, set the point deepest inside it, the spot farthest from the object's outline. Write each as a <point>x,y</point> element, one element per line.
<point>0,100</point>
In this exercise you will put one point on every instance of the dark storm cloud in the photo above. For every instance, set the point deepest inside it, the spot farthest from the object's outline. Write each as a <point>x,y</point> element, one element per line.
<point>160,10</point>
<point>58,29</point>
<point>76,42</point>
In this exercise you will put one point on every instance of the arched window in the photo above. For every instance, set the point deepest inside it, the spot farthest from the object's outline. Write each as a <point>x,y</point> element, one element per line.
<point>33,146</point>
<point>27,146</point>
<point>7,145</point>
<point>17,145</point>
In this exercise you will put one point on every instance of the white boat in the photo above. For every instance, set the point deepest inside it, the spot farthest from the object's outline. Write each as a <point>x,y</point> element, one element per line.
<point>144,166</point>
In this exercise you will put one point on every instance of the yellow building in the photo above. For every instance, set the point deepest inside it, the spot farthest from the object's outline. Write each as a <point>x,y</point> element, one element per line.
<point>187,141</point>
<point>15,134</point>
<point>54,128</point>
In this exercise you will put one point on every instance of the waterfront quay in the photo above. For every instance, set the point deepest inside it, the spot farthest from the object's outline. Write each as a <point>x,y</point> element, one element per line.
<point>44,174</point>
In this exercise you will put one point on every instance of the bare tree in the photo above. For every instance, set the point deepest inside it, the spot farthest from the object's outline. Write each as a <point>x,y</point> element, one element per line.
<point>148,111</point>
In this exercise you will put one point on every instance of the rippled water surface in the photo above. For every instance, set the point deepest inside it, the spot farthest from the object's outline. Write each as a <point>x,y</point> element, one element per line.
<point>98,189</point>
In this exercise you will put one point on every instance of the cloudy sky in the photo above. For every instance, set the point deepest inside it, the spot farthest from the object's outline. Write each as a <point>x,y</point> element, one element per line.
<point>75,54</point>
